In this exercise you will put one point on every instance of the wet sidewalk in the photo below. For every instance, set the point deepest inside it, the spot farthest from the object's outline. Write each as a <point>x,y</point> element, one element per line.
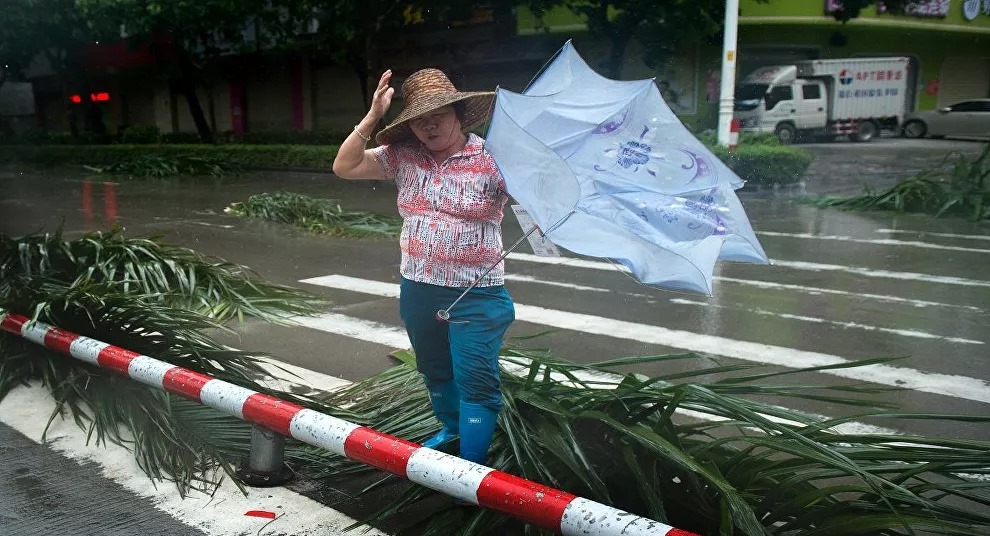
<point>43,493</point>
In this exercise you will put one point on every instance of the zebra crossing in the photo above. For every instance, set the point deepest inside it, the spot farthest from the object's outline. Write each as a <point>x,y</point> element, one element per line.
<point>943,384</point>
<point>593,303</point>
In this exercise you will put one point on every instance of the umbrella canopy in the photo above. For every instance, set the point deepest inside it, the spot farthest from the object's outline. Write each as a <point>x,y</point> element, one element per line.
<point>607,170</point>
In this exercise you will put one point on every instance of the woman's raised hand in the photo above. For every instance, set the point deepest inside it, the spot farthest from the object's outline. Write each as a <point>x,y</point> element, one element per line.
<point>382,99</point>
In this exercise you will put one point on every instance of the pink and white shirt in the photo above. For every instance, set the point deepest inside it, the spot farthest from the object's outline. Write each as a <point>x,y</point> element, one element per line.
<point>451,213</point>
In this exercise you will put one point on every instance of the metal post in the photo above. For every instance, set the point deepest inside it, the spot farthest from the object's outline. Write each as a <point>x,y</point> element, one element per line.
<point>727,94</point>
<point>265,465</point>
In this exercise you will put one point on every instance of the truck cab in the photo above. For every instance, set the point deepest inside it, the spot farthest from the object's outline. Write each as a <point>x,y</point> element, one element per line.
<point>774,100</point>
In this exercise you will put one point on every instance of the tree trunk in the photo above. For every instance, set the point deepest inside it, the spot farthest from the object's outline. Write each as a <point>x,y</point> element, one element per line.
<point>55,60</point>
<point>186,84</point>
<point>359,63</point>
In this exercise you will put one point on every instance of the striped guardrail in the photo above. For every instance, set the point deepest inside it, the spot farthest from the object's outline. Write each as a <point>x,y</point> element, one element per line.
<point>528,501</point>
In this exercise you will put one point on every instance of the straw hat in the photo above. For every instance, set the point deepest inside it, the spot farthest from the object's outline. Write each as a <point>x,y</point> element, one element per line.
<point>429,89</point>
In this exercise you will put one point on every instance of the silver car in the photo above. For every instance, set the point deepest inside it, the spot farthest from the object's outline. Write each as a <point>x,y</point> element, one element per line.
<point>966,119</point>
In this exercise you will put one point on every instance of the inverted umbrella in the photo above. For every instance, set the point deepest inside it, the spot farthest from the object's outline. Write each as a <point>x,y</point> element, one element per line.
<point>607,170</point>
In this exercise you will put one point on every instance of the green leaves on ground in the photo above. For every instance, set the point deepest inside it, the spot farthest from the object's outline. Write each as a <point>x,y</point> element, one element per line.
<point>702,457</point>
<point>692,446</point>
<point>324,216</point>
<point>154,299</point>
<point>160,167</point>
<point>177,277</point>
<point>960,185</point>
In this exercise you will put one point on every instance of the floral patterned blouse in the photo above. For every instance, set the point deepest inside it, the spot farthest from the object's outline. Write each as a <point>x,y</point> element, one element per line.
<point>451,212</point>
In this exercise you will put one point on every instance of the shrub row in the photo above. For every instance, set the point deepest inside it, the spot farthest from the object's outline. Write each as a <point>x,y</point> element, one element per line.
<point>766,164</point>
<point>757,164</point>
<point>150,134</point>
<point>244,156</point>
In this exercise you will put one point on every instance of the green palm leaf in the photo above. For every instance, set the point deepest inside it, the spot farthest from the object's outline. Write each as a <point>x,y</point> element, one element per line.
<point>322,216</point>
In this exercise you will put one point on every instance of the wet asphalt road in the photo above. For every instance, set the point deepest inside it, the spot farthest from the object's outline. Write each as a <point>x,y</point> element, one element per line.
<point>844,285</point>
<point>43,493</point>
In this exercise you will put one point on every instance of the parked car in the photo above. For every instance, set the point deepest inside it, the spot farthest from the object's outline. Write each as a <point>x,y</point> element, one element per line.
<point>966,119</point>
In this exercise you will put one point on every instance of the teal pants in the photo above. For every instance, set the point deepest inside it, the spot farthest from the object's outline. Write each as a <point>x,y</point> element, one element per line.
<point>466,348</point>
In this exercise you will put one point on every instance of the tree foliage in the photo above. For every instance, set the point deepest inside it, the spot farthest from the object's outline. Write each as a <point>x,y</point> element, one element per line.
<point>351,32</point>
<point>661,27</point>
<point>185,34</point>
<point>50,29</point>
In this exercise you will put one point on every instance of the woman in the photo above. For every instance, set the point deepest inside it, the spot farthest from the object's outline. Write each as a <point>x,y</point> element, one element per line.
<point>451,197</point>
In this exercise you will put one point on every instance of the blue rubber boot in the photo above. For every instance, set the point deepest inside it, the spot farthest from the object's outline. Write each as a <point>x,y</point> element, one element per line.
<point>445,401</point>
<point>477,428</point>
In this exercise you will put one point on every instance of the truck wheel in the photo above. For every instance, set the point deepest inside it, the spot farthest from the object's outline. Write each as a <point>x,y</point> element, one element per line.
<point>865,131</point>
<point>915,129</point>
<point>786,133</point>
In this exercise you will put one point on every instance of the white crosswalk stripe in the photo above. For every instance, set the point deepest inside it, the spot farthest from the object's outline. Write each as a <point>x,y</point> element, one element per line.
<point>943,384</point>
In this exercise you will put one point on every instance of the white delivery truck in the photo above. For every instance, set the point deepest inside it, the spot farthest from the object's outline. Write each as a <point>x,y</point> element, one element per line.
<point>825,98</point>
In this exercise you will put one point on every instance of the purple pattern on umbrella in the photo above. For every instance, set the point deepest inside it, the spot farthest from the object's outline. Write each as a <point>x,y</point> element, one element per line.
<point>630,154</point>
<point>698,163</point>
<point>614,123</point>
<point>705,209</point>
<point>634,153</point>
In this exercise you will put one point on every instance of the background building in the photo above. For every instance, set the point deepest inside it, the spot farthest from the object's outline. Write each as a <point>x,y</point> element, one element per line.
<point>947,40</point>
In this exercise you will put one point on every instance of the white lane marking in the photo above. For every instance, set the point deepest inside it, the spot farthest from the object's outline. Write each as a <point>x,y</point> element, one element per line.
<point>286,377</point>
<point>395,338</point>
<point>378,333</point>
<point>206,224</point>
<point>222,514</point>
<point>883,274</point>
<point>383,334</point>
<point>877,242</point>
<point>759,284</point>
<point>834,292</point>
<point>796,265</point>
<point>529,279</point>
<point>942,235</point>
<point>841,324</point>
<point>930,382</point>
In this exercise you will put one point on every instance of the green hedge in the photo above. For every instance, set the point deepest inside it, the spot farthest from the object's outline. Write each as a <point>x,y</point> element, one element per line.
<point>245,156</point>
<point>766,164</point>
<point>149,134</point>
<point>757,164</point>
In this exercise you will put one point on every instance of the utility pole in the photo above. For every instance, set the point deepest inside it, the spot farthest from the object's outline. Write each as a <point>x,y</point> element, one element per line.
<point>727,94</point>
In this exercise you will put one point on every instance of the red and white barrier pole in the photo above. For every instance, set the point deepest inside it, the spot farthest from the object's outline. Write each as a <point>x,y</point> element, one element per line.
<point>520,498</point>
<point>733,135</point>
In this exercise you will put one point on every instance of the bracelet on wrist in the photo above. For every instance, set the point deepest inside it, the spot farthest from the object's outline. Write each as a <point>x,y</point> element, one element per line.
<point>363,137</point>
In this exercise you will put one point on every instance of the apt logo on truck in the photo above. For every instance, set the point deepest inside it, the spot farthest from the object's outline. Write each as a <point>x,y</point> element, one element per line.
<point>845,77</point>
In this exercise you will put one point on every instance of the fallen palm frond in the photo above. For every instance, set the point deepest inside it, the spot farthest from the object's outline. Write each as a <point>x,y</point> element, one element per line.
<point>959,185</point>
<point>178,276</point>
<point>694,448</point>
<point>323,216</point>
<point>702,457</point>
<point>153,299</point>
<point>160,166</point>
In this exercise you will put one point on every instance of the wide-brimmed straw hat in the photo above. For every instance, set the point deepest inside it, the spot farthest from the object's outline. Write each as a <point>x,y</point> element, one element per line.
<point>429,89</point>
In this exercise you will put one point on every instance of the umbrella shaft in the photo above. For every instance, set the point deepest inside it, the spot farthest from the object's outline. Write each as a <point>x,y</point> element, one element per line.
<point>444,314</point>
